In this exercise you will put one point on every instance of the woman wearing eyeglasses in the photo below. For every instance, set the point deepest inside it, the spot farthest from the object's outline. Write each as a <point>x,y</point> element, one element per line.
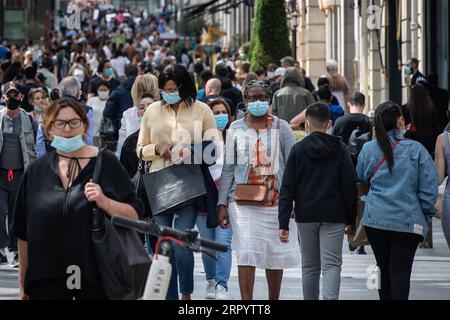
<point>53,210</point>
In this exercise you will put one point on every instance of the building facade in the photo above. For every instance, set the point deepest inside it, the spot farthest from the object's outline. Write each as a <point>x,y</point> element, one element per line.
<point>22,20</point>
<point>372,42</point>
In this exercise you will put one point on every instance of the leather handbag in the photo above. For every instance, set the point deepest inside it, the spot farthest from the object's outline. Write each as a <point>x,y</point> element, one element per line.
<point>251,195</point>
<point>174,187</point>
<point>121,257</point>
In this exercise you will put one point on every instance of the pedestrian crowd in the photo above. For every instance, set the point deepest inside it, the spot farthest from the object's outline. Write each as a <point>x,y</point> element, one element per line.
<point>278,201</point>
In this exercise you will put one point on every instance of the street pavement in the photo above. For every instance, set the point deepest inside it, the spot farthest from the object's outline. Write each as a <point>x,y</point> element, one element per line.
<point>430,277</point>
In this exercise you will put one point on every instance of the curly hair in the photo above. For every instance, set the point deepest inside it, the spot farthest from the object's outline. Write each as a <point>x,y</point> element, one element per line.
<point>258,83</point>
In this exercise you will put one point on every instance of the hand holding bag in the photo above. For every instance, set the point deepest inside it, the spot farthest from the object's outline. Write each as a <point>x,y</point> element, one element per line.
<point>121,257</point>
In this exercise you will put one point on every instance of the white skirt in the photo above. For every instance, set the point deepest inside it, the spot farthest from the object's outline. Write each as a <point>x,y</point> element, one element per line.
<point>256,238</point>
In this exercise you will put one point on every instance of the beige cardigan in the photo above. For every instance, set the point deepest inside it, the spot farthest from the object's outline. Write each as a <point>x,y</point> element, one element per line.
<point>160,124</point>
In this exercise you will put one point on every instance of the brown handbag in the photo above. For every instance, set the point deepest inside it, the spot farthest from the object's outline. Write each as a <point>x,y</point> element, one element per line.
<point>251,195</point>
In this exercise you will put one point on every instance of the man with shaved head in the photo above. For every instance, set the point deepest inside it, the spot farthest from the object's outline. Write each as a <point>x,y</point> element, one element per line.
<point>213,89</point>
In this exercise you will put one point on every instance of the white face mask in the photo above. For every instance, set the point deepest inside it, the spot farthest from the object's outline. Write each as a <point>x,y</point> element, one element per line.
<point>79,74</point>
<point>103,95</point>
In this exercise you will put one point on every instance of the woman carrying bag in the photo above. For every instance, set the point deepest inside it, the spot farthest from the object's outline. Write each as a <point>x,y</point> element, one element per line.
<point>256,153</point>
<point>53,213</point>
<point>403,192</point>
<point>174,133</point>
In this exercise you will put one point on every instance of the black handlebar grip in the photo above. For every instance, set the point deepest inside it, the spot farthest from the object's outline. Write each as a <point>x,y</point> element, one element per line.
<point>140,226</point>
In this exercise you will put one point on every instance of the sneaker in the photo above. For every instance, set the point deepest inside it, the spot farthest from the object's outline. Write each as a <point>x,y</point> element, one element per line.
<point>3,259</point>
<point>361,250</point>
<point>221,293</point>
<point>210,290</point>
<point>15,261</point>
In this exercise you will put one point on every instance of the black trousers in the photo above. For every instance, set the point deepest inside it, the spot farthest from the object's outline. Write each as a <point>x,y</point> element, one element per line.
<point>394,253</point>
<point>57,290</point>
<point>8,193</point>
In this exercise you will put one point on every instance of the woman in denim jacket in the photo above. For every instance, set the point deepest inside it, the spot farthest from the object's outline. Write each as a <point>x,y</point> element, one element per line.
<point>402,196</point>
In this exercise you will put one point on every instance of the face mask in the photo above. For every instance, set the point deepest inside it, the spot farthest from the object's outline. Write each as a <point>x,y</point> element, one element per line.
<point>67,145</point>
<point>408,71</point>
<point>221,121</point>
<point>258,108</point>
<point>270,75</point>
<point>171,98</point>
<point>108,72</point>
<point>38,109</point>
<point>13,104</point>
<point>79,75</point>
<point>103,95</point>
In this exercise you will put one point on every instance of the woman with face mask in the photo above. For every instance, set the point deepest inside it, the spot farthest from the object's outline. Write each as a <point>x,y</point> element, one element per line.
<point>143,92</point>
<point>174,131</point>
<point>402,197</point>
<point>98,104</point>
<point>54,206</point>
<point>39,100</point>
<point>257,150</point>
<point>217,271</point>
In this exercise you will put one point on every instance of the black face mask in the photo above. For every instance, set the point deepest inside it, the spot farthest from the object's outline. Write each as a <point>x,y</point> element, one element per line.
<point>13,104</point>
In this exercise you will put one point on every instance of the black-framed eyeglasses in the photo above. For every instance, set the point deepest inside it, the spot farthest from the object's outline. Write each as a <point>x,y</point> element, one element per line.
<point>171,91</point>
<point>258,98</point>
<point>73,123</point>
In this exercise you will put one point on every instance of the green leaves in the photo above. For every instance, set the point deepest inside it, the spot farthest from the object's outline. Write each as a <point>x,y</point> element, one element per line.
<point>270,34</point>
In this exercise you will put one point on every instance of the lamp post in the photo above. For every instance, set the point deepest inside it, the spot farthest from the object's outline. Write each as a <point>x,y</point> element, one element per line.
<point>293,18</point>
<point>294,26</point>
<point>328,6</point>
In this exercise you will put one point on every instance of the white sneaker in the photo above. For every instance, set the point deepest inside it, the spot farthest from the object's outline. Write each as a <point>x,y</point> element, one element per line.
<point>221,293</point>
<point>210,289</point>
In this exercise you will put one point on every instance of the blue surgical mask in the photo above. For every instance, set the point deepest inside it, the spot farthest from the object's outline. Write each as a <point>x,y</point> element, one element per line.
<point>172,97</point>
<point>221,121</point>
<point>67,145</point>
<point>408,71</point>
<point>108,72</point>
<point>258,108</point>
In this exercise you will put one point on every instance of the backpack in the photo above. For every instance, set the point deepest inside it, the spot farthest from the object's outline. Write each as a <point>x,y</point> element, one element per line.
<point>356,142</point>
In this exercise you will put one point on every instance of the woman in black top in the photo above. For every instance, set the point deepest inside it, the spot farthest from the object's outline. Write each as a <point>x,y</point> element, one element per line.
<point>53,210</point>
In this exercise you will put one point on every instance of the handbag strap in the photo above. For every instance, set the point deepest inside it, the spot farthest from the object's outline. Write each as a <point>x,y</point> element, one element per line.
<point>383,160</point>
<point>98,166</point>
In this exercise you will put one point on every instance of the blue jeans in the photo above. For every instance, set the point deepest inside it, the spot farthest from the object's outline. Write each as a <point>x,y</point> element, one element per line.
<point>182,259</point>
<point>219,269</point>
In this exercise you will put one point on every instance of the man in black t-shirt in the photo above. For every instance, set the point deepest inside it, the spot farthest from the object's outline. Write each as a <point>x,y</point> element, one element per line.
<point>412,69</point>
<point>345,125</point>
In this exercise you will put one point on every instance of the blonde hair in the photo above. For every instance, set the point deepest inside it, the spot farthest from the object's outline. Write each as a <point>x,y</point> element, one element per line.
<point>147,83</point>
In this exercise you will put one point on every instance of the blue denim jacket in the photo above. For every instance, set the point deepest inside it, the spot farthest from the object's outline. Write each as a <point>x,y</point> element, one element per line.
<point>404,200</point>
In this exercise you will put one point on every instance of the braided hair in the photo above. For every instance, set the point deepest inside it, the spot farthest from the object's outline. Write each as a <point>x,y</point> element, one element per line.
<point>386,117</point>
<point>258,83</point>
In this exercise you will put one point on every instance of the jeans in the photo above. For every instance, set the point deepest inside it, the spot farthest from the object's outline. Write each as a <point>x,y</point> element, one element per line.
<point>182,259</point>
<point>321,249</point>
<point>218,270</point>
<point>394,253</point>
<point>445,221</point>
<point>8,192</point>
